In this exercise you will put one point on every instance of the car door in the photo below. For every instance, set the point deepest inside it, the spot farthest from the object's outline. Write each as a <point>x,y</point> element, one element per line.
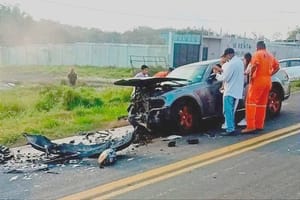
<point>293,69</point>
<point>213,94</point>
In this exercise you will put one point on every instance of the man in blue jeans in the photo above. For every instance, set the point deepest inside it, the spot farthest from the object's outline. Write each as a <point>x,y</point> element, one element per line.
<point>232,75</point>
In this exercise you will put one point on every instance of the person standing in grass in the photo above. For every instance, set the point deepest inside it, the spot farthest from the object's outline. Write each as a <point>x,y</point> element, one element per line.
<point>72,76</point>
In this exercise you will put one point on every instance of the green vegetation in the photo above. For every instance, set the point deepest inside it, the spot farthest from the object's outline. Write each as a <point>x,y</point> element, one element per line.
<point>62,71</point>
<point>295,85</point>
<point>58,111</point>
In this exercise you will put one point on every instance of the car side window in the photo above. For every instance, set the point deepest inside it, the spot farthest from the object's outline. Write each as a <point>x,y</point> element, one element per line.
<point>295,63</point>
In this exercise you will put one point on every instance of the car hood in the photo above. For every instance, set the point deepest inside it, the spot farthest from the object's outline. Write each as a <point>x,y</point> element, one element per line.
<point>145,81</point>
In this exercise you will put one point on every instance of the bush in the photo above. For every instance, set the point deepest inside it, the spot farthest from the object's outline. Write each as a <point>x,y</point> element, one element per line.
<point>68,98</point>
<point>73,99</point>
<point>10,110</point>
<point>49,98</point>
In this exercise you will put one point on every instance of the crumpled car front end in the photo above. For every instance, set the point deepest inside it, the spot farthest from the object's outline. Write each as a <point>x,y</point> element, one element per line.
<point>148,107</point>
<point>159,113</point>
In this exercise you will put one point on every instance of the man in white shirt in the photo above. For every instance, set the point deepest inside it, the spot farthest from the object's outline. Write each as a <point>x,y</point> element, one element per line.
<point>143,73</point>
<point>232,74</point>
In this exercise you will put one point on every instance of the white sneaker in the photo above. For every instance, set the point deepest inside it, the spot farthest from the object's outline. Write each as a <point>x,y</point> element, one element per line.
<point>224,126</point>
<point>242,122</point>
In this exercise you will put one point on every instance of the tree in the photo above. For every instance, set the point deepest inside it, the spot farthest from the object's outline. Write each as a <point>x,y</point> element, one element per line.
<point>292,34</point>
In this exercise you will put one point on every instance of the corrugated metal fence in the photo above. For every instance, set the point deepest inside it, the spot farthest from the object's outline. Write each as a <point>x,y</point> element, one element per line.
<point>94,54</point>
<point>124,55</point>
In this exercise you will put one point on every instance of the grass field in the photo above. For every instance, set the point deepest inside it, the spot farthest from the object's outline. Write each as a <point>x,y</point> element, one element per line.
<point>58,111</point>
<point>41,102</point>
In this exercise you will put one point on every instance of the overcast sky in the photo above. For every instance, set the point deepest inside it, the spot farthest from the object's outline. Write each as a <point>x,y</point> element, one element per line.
<point>262,17</point>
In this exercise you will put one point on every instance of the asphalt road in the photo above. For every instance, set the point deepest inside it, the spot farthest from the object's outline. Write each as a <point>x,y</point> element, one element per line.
<point>268,169</point>
<point>269,172</point>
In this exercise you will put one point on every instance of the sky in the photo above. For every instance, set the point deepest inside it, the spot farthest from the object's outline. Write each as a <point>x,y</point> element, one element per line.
<point>272,19</point>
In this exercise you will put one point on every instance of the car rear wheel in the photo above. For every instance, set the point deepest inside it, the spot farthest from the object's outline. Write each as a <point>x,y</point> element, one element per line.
<point>185,116</point>
<point>274,103</point>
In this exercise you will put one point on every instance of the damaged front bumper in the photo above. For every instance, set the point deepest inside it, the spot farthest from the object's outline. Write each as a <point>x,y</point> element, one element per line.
<point>154,119</point>
<point>159,117</point>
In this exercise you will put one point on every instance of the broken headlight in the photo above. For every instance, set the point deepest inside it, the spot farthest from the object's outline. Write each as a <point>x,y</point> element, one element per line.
<point>156,103</point>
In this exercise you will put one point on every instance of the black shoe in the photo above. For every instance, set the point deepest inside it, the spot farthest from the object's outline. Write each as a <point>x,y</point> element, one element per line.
<point>232,133</point>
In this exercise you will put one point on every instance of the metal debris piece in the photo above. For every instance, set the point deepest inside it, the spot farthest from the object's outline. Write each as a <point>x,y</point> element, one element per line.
<point>67,151</point>
<point>5,154</point>
<point>193,141</point>
<point>13,178</point>
<point>27,168</point>
<point>172,137</point>
<point>172,143</point>
<point>142,135</point>
<point>107,157</point>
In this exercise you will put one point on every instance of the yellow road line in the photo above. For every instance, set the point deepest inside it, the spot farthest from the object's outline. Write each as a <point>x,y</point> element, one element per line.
<point>124,185</point>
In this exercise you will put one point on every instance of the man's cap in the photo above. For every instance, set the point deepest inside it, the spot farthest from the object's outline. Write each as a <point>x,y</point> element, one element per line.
<point>228,51</point>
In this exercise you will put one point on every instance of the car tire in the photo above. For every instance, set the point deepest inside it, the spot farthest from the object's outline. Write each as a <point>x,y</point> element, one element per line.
<point>274,103</point>
<point>185,116</point>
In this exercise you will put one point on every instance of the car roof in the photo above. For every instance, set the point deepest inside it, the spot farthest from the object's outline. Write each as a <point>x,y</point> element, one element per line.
<point>287,59</point>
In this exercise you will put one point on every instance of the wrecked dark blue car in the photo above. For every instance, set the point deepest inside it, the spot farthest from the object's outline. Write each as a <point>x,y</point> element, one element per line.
<point>186,96</point>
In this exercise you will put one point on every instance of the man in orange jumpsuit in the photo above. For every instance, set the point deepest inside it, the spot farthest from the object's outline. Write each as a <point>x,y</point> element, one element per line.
<point>263,66</point>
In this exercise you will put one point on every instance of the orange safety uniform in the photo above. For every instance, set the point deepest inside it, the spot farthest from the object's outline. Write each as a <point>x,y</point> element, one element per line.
<point>264,65</point>
<point>161,74</point>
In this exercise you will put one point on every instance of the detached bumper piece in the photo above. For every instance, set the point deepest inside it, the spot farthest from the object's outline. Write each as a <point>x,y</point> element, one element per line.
<point>67,151</point>
<point>54,153</point>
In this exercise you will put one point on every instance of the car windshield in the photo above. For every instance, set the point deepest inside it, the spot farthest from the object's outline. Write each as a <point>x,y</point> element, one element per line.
<point>193,73</point>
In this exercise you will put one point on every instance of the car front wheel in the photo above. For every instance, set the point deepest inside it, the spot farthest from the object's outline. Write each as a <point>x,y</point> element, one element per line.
<point>185,116</point>
<point>274,103</point>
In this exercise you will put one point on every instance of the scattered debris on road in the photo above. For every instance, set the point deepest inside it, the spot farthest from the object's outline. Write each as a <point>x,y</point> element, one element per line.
<point>172,137</point>
<point>193,140</point>
<point>5,154</point>
<point>87,145</point>
<point>172,143</point>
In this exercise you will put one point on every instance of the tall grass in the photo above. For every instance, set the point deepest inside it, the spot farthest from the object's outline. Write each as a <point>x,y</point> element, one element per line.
<point>58,111</point>
<point>295,85</point>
